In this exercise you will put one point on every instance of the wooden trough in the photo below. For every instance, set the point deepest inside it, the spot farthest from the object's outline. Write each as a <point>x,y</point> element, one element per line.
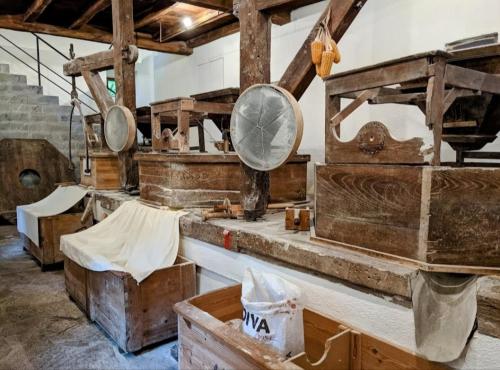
<point>207,341</point>
<point>184,180</point>
<point>134,315</point>
<point>50,230</point>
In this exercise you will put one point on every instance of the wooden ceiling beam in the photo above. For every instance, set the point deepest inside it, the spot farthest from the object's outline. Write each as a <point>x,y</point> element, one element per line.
<point>90,13</point>
<point>35,10</point>
<point>152,18</point>
<point>90,34</point>
<point>213,35</point>
<point>272,5</point>
<point>201,21</point>
<point>221,5</point>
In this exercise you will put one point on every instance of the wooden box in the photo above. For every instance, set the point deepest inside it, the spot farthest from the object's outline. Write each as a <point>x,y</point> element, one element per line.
<point>50,230</point>
<point>104,171</point>
<point>134,315</point>
<point>183,180</point>
<point>435,215</point>
<point>207,341</point>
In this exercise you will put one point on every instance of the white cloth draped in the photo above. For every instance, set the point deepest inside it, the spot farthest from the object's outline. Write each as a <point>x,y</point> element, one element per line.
<point>135,238</point>
<point>57,202</point>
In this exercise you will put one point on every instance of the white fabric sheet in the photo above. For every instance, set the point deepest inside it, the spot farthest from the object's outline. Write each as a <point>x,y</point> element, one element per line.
<point>57,202</point>
<point>135,238</point>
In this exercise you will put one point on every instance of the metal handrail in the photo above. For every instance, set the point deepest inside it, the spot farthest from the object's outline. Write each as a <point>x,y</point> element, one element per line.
<point>50,46</point>
<point>41,74</point>
<point>39,63</point>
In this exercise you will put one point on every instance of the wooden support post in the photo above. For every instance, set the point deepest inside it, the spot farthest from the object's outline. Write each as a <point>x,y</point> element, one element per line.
<point>255,67</point>
<point>332,106</point>
<point>98,90</point>
<point>183,130</point>
<point>123,36</point>
<point>435,107</point>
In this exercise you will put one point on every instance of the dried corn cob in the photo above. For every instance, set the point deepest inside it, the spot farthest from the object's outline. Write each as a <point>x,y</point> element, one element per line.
<point>317,48</point>
<point>336,51</point>
<point>326,63</point>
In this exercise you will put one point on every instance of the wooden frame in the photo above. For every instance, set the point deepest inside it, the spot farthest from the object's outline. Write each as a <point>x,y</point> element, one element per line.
<point>50,230</point>
<point>104,171</point>
<point>443,82</point>
<point>207,340</point>
<point>183,109</point>
<point>134,315</point>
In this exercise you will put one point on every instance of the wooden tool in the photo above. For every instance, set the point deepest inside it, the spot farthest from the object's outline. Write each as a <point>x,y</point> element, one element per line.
<point>297,219</point>
<point>225,210</point>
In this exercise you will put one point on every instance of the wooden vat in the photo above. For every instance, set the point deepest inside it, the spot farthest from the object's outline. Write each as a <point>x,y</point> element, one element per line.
<point>50,230</point>
<point>206,341</point>
<point>441,216</point>
<point>182,180</point>
<point>134,315</point>
<point>104,171</point>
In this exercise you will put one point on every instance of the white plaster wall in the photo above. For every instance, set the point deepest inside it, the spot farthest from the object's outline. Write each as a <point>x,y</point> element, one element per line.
<point>371,314</point>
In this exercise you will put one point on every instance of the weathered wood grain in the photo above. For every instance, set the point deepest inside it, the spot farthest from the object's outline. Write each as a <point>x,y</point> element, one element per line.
<point>104,172</point>
<point>488,306</point>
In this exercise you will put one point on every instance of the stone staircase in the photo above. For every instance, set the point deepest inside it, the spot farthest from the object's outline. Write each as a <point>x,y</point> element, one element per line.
<point>25,113</point>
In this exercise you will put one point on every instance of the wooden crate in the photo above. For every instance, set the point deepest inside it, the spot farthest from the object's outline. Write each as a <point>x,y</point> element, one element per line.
<point>50,230</point>
<point>435,215</point>
<point>134,315</point>
<point>182,180</point>
<point>104,171</point>
<point>206,341</point>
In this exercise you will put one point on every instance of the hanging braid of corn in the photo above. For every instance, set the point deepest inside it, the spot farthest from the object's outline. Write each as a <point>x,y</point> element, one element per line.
<point>324,50</point>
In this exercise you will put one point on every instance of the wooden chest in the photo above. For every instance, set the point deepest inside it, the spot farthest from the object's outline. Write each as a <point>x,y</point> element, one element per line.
<point>134,315</point>
<point>104,171</point>
<point>207,341</point>
<point>436,215</point>
<point>50,230</point>
<point>182,180</point>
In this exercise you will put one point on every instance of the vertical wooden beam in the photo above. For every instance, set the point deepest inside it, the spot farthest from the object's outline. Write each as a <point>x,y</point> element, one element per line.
<point>183,127</point>
<point>332,106</point>
<point>435,107</point>
<point>123,36</point>
<point>255,68</point>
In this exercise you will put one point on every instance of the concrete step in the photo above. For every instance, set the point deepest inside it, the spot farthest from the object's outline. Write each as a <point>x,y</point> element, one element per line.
<point>8,78</point>
<point>18,89</point>
<point>4,68</point>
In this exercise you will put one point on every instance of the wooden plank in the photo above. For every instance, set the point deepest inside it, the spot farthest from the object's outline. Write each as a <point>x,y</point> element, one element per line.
<point>370,78</point>
<point>435,107</point>
<point>35,10</point>
<point>75,279</point>
<point>205,18</point>
<point>95,8</point>
<point>98,90</point>
<point>221,5</point>
<point>488,306</point>
<point>213,35</point>
<point>350,198</point>
<point>15,22</point>
<point>255,68</point>
<point>96,62</point>
<point>269,5</point>
<point>332,108</point>
<point>301,70</point>
<point>346,112</point>
<point>374,144</point>
<point>471,79</point>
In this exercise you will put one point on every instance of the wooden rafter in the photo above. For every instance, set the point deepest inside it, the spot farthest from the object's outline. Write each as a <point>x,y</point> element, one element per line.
<point>213,35</point>
<point>152,17</point>
<point>269,5</point>
<point>202,20</point>
<point>35,10</point>
<point>97,7</point>
<point>222,5</point>
<point>88,33</point>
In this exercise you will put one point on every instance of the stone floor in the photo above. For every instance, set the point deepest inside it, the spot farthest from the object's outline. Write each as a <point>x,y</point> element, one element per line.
<point>41,328</point>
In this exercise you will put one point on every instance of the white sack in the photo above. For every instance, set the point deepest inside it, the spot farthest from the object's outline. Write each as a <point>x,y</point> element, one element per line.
<point>272,312</point>
<point>57,202</point>
<point>135,238</point>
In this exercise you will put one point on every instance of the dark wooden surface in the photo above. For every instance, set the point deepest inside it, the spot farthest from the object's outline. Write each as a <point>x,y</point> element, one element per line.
<point>17,155</point>
<point>438,215</point>
<point>134,315</point>
<point>180,180</point>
